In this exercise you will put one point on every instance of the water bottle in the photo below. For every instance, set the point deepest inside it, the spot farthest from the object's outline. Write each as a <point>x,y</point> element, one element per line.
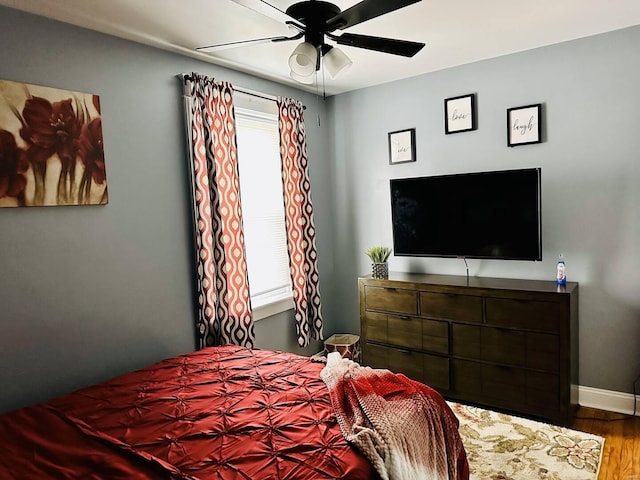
<point>561,276</point>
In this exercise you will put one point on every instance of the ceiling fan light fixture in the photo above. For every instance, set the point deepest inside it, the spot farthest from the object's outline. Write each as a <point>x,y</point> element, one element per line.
<point>303,59</point>
<point>336,61</point>
<point>306,79</point>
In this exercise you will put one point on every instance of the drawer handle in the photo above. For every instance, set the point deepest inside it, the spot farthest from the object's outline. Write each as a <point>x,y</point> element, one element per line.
<point>390,289</point>
<point>520,300</point>
<point>405,317</point>
<point>403,351</point>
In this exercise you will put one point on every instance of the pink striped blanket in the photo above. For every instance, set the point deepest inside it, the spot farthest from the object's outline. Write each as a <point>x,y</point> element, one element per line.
<point>404,428</point>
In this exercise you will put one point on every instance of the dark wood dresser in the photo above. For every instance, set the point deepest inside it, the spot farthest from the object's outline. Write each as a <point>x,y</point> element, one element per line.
<point>501,343</point>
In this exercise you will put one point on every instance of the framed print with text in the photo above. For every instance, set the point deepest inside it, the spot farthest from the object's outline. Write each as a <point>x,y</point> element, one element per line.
<point>402,146</point>
<point>460,114</point>
<point>524,125</point>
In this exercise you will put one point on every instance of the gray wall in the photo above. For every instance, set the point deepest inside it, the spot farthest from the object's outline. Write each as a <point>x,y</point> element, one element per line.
<point>90,292</point>
<point>590,178</point>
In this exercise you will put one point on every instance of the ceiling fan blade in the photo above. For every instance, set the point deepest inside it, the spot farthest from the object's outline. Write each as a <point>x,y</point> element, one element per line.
<point>267,9</point>
<point>242,43</point>
<point>365,10</point>
<point>404,48</point>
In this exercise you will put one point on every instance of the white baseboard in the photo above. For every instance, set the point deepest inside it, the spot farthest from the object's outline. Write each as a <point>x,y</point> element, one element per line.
<point>607,400</point>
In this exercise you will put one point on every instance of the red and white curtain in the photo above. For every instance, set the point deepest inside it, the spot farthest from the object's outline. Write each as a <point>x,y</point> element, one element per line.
<point>301,235</point>
<point>224,309</point>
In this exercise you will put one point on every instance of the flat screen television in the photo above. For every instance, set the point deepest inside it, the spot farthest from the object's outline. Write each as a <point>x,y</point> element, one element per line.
<point>494,215</point>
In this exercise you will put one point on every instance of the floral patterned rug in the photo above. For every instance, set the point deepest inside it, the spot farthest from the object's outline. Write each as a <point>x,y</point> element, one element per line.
<point>504,447</point>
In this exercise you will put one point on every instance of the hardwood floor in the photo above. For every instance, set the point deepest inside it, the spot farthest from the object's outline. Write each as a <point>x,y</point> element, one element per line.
<point>621,455</point>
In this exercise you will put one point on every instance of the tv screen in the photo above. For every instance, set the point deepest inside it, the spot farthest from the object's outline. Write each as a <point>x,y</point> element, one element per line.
<point>474,215</point>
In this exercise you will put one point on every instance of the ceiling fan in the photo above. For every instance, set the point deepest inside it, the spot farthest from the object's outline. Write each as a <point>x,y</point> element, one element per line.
<point>316,21</point>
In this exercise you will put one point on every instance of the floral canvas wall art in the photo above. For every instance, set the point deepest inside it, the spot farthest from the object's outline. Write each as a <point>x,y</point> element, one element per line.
<point>51,147</point>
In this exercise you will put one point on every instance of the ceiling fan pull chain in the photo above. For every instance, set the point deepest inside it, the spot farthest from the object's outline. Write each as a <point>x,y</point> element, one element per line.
<point>317,99</point>
<point>324,89</point>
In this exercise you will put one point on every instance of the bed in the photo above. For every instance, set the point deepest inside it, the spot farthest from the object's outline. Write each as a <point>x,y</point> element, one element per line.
<point>219,413</point>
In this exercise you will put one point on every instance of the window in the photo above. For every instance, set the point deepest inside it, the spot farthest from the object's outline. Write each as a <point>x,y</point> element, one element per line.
<point>263,206</point>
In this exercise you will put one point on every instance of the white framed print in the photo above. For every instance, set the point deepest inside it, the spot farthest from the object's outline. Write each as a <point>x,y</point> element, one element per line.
<point>459,114</point>
<point>402,146</point>
<point>524,125</point>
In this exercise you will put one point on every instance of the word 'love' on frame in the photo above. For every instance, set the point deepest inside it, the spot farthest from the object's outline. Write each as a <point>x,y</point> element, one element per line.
<point>460,114</point>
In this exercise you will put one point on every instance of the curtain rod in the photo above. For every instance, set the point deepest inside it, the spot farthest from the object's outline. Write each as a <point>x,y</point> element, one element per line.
<point>247,91</point>
<point>254,93</point>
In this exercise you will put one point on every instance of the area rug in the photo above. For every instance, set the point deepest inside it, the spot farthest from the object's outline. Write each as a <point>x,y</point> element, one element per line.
<point>505,447</point>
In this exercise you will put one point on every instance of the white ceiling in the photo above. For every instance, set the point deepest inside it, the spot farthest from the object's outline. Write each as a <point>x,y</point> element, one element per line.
<point>455,31</point>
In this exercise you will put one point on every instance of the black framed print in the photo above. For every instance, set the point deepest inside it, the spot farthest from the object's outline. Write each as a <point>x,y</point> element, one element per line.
<point>524,125</point>
<point>460,114</point>
<point>402,146</point>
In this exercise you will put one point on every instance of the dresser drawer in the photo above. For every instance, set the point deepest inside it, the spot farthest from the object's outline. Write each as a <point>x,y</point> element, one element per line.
<point>533,392</point>
<point>507,387</point>
<point>504,386</point>
<point>543,351</point>
<point>375,327</point>
<point>394,300</point>
<point>435,371</point>
<point>500,345</point>
<point>543,391</point>
<point>451,306</point>
<point>467,379</point>
<point>495,345</point>
<point>404,331</point>
<point>489,383</point>
<point>435,336</point>
<point>523,314</point>
<point>519,348</point>
<point>375,356</point>
<point>466,341</point>
<point>405,361</point>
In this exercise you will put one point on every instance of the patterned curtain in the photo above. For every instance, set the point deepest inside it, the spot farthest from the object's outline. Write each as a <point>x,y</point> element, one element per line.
<point>224,313</point>
<point>301,238</point>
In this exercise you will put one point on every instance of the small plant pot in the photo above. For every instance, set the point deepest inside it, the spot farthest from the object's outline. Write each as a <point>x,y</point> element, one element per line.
<point>380,270</point>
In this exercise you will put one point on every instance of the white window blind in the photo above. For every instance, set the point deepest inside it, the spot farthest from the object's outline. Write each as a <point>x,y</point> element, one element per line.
<point>262,207</point>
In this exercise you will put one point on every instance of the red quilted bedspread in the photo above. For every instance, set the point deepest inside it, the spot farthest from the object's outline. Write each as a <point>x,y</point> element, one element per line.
<point>219,413</point>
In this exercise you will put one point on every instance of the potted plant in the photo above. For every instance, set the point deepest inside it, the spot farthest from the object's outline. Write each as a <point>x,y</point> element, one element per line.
<point>379,256</point>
